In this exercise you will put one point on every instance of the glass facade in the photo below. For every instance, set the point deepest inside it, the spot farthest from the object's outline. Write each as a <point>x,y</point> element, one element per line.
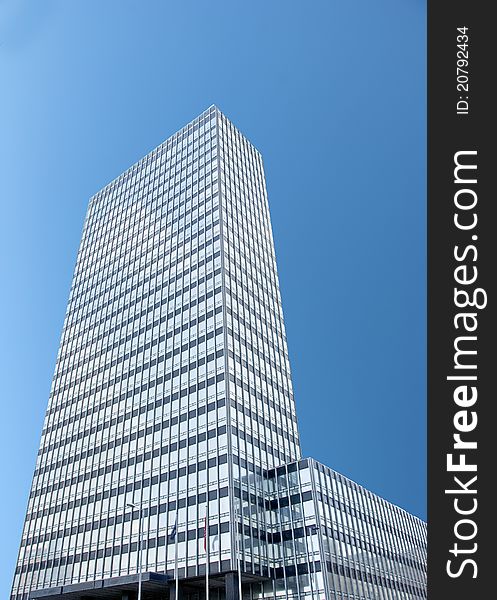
<point>172,394</point>
<point>331,538</point>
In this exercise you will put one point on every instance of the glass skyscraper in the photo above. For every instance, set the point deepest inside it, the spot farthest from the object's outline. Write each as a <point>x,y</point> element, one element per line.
<point>170,459</point>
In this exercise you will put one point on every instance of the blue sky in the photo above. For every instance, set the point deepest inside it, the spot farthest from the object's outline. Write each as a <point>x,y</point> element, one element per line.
<point>333,94</point>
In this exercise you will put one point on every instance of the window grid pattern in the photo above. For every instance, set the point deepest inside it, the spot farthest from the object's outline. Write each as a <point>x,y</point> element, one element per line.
<point>137,410</point>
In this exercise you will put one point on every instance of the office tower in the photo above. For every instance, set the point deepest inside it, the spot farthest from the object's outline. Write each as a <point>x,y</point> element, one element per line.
<point>171,408</point>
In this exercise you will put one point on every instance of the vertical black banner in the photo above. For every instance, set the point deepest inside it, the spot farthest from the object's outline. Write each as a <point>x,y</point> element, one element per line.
<point>462,248</point>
